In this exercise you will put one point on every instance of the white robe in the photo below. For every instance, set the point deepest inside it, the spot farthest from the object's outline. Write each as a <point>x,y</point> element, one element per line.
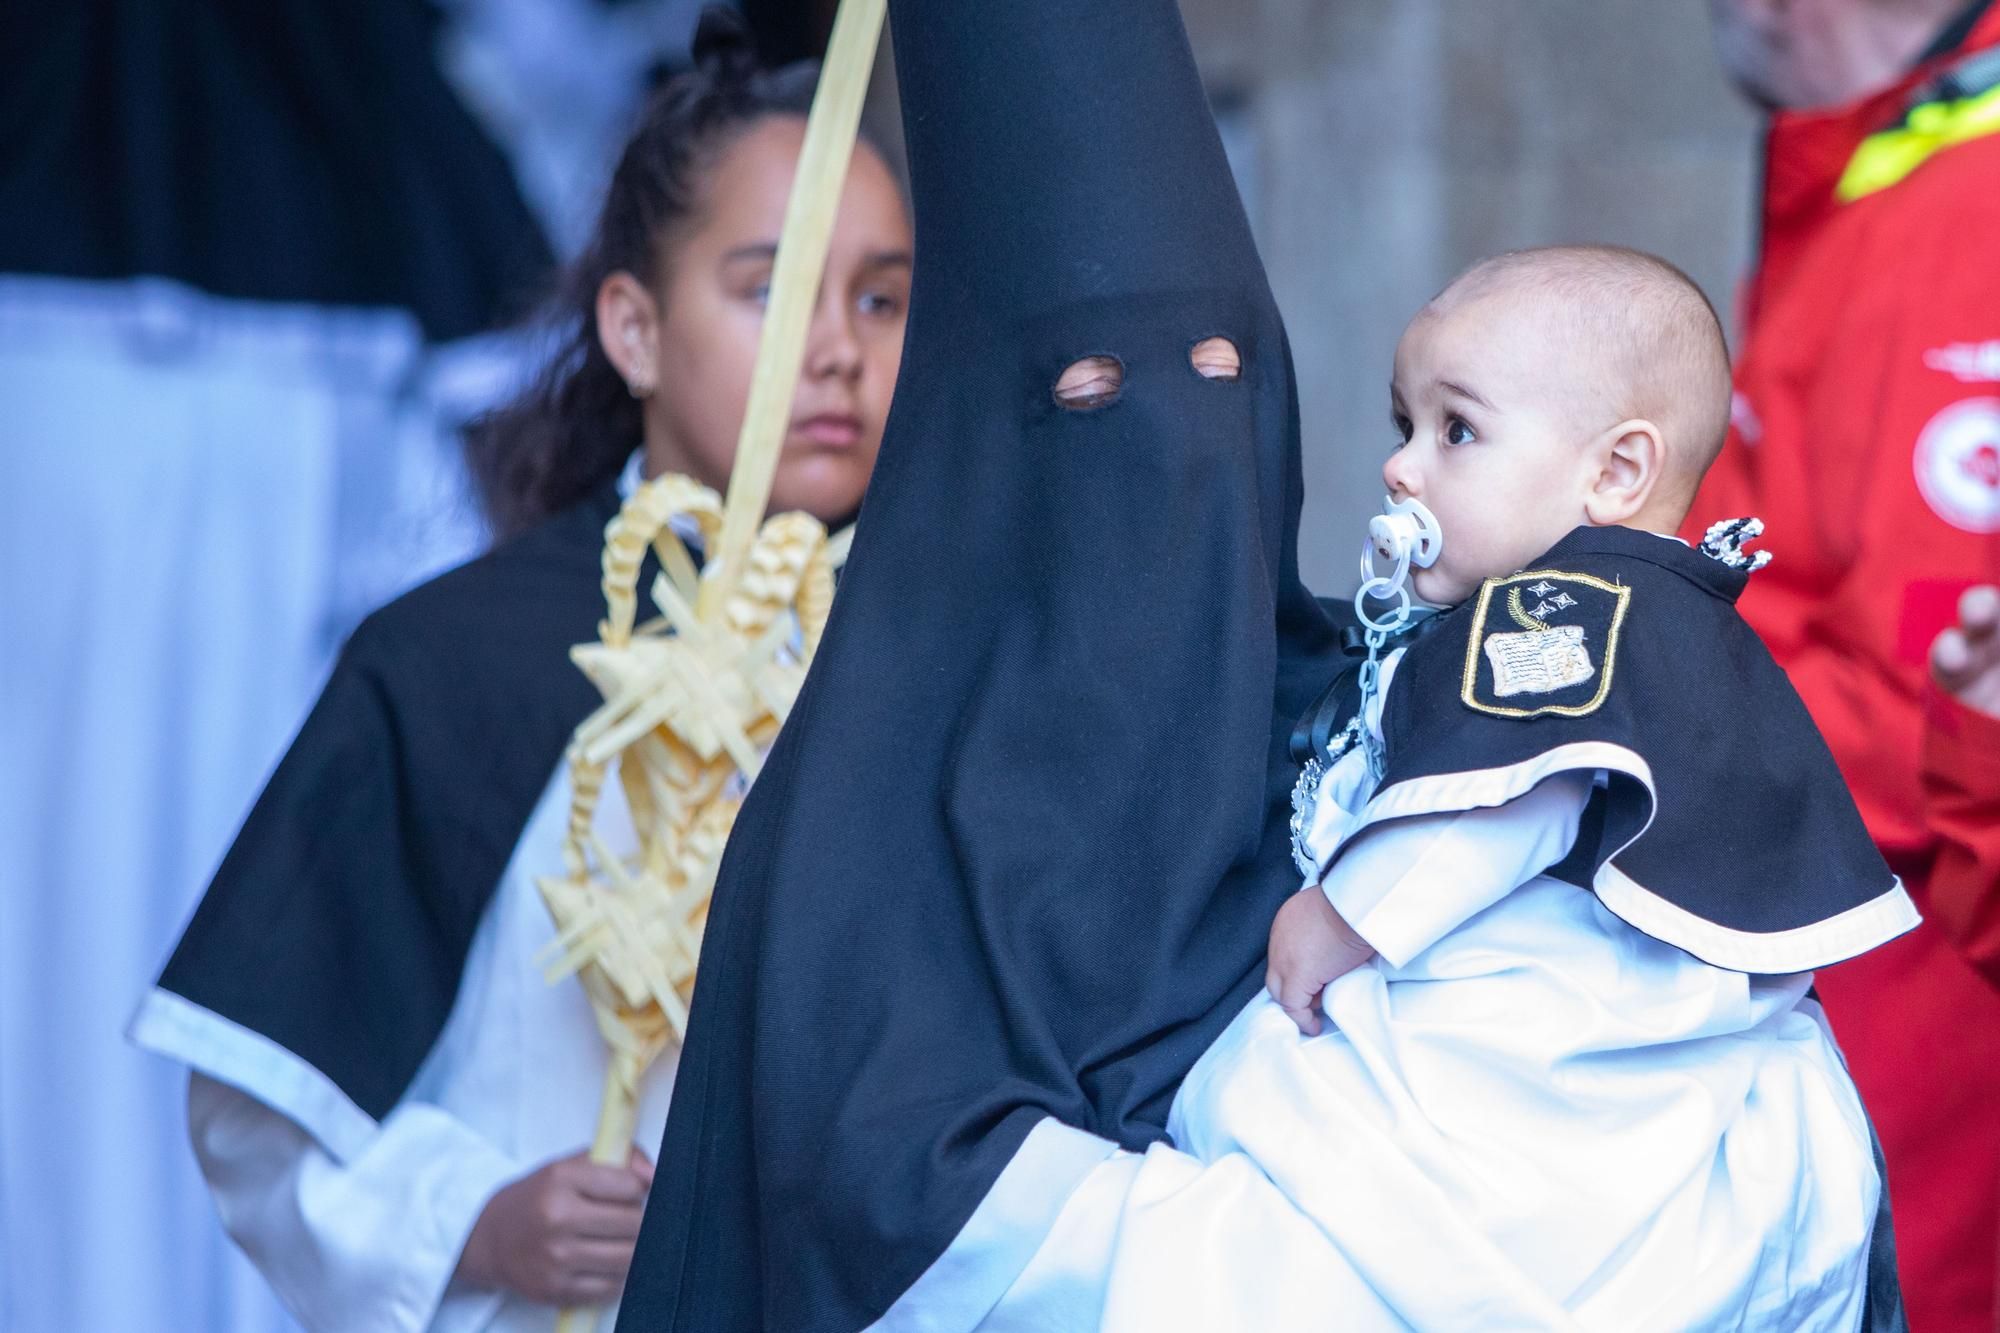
<point>1523,1114</point>
<point>200,495</point>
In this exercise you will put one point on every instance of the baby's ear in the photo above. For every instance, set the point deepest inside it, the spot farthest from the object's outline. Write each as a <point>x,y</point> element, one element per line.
<point>1629,461</point>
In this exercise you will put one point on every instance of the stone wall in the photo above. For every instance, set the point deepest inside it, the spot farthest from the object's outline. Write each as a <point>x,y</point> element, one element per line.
<point>1385,144</point>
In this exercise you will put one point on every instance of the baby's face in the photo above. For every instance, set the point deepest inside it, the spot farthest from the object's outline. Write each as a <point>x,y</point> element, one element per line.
<point>1491,442</point>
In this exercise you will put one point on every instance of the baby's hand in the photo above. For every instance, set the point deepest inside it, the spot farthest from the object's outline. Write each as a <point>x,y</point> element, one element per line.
<point>1966,658</point>
<point>1310,946</point>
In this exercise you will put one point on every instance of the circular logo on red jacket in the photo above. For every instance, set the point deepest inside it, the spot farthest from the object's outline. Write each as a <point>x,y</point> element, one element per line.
<point>1958,464</point>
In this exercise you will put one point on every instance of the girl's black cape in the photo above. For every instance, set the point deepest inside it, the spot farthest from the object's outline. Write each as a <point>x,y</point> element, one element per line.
<point>1016,853</point>
<point>322,962</point>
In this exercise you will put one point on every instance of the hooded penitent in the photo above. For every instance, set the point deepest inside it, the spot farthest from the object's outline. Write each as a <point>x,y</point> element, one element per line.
<point>1014,857</point>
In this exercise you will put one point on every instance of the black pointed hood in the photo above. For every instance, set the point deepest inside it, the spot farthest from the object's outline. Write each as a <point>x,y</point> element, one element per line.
<point>1016,853</point>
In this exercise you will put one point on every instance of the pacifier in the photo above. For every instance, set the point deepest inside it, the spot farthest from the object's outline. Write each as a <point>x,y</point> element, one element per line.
<point>1405,534</point>
<point>1406,526</point>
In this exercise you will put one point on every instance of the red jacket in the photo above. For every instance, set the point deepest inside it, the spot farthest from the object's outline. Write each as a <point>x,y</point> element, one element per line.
<point>1866,434</point>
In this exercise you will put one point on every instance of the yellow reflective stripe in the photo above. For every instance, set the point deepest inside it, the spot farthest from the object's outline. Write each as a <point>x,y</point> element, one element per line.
<point>1886,158</point>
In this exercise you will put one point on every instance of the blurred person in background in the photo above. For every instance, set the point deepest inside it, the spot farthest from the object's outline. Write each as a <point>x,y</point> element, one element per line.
<point>247,248</point>
<point>1866,433</point>
<point>391,1105</point>
<point>387,1097</point>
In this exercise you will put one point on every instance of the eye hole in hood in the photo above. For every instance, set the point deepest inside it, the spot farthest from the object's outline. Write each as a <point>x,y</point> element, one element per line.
<point>1216,359</point>
<point>1090,382</point>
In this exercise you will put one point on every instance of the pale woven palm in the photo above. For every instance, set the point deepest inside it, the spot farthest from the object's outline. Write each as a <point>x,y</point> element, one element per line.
<point>690,703</point>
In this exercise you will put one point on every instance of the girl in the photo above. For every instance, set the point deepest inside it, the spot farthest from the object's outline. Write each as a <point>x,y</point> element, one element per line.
<point>387,1101</point>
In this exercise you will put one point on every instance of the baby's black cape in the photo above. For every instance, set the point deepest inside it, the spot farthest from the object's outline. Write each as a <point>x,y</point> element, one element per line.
<point>1014,857</point>
<point>1725,828</point>
<point>321,965</point>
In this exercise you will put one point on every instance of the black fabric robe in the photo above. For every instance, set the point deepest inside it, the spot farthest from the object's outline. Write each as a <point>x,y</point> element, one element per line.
<point>272,150</point>
<point>1016,852</point>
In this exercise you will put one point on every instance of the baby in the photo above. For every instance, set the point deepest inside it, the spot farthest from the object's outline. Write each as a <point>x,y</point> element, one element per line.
<point>1541,392</point>
<point>1572,855</point>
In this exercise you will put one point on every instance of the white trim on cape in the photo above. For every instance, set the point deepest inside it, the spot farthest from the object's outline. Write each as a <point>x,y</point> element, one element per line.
<point>176,1027</point>
<point>1800,949</point>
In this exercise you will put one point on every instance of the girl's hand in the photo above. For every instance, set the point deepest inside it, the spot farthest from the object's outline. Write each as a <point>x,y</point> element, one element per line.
<point>1965,659</point>
<point>562,1235</point>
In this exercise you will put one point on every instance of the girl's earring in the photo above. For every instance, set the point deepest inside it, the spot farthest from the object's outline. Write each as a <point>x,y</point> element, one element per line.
<point>639,385</point>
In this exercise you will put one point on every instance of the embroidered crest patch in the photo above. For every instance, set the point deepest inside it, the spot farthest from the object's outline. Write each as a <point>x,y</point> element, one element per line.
<point>1543,642</point>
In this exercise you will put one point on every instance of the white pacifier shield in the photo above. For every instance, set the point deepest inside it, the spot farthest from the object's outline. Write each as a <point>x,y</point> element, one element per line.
<point>1406,525</point>
<point>1408,536</point>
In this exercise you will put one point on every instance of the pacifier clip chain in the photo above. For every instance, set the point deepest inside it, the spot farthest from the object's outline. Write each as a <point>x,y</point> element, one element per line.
<point>1408,534</point>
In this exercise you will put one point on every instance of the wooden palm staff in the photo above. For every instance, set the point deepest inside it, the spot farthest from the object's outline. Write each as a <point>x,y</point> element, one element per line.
<point>692,699</point>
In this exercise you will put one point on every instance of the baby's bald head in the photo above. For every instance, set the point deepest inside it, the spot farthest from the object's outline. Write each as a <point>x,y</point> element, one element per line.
<point>1547,390</point>
<point>1626,335</point>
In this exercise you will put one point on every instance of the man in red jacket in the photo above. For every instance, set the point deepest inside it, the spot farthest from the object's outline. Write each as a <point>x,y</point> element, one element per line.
<point>1866,433</point>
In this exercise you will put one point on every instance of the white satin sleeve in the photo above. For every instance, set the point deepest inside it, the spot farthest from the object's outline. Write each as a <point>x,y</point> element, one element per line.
<point>362,1245</point>
<point>1406,884</point>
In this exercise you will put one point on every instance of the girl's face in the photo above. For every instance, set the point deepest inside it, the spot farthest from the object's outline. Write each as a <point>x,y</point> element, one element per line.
<point>709,315</point>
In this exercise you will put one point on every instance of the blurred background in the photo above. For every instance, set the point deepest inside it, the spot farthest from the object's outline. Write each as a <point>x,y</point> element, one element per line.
<point>257,263</point>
